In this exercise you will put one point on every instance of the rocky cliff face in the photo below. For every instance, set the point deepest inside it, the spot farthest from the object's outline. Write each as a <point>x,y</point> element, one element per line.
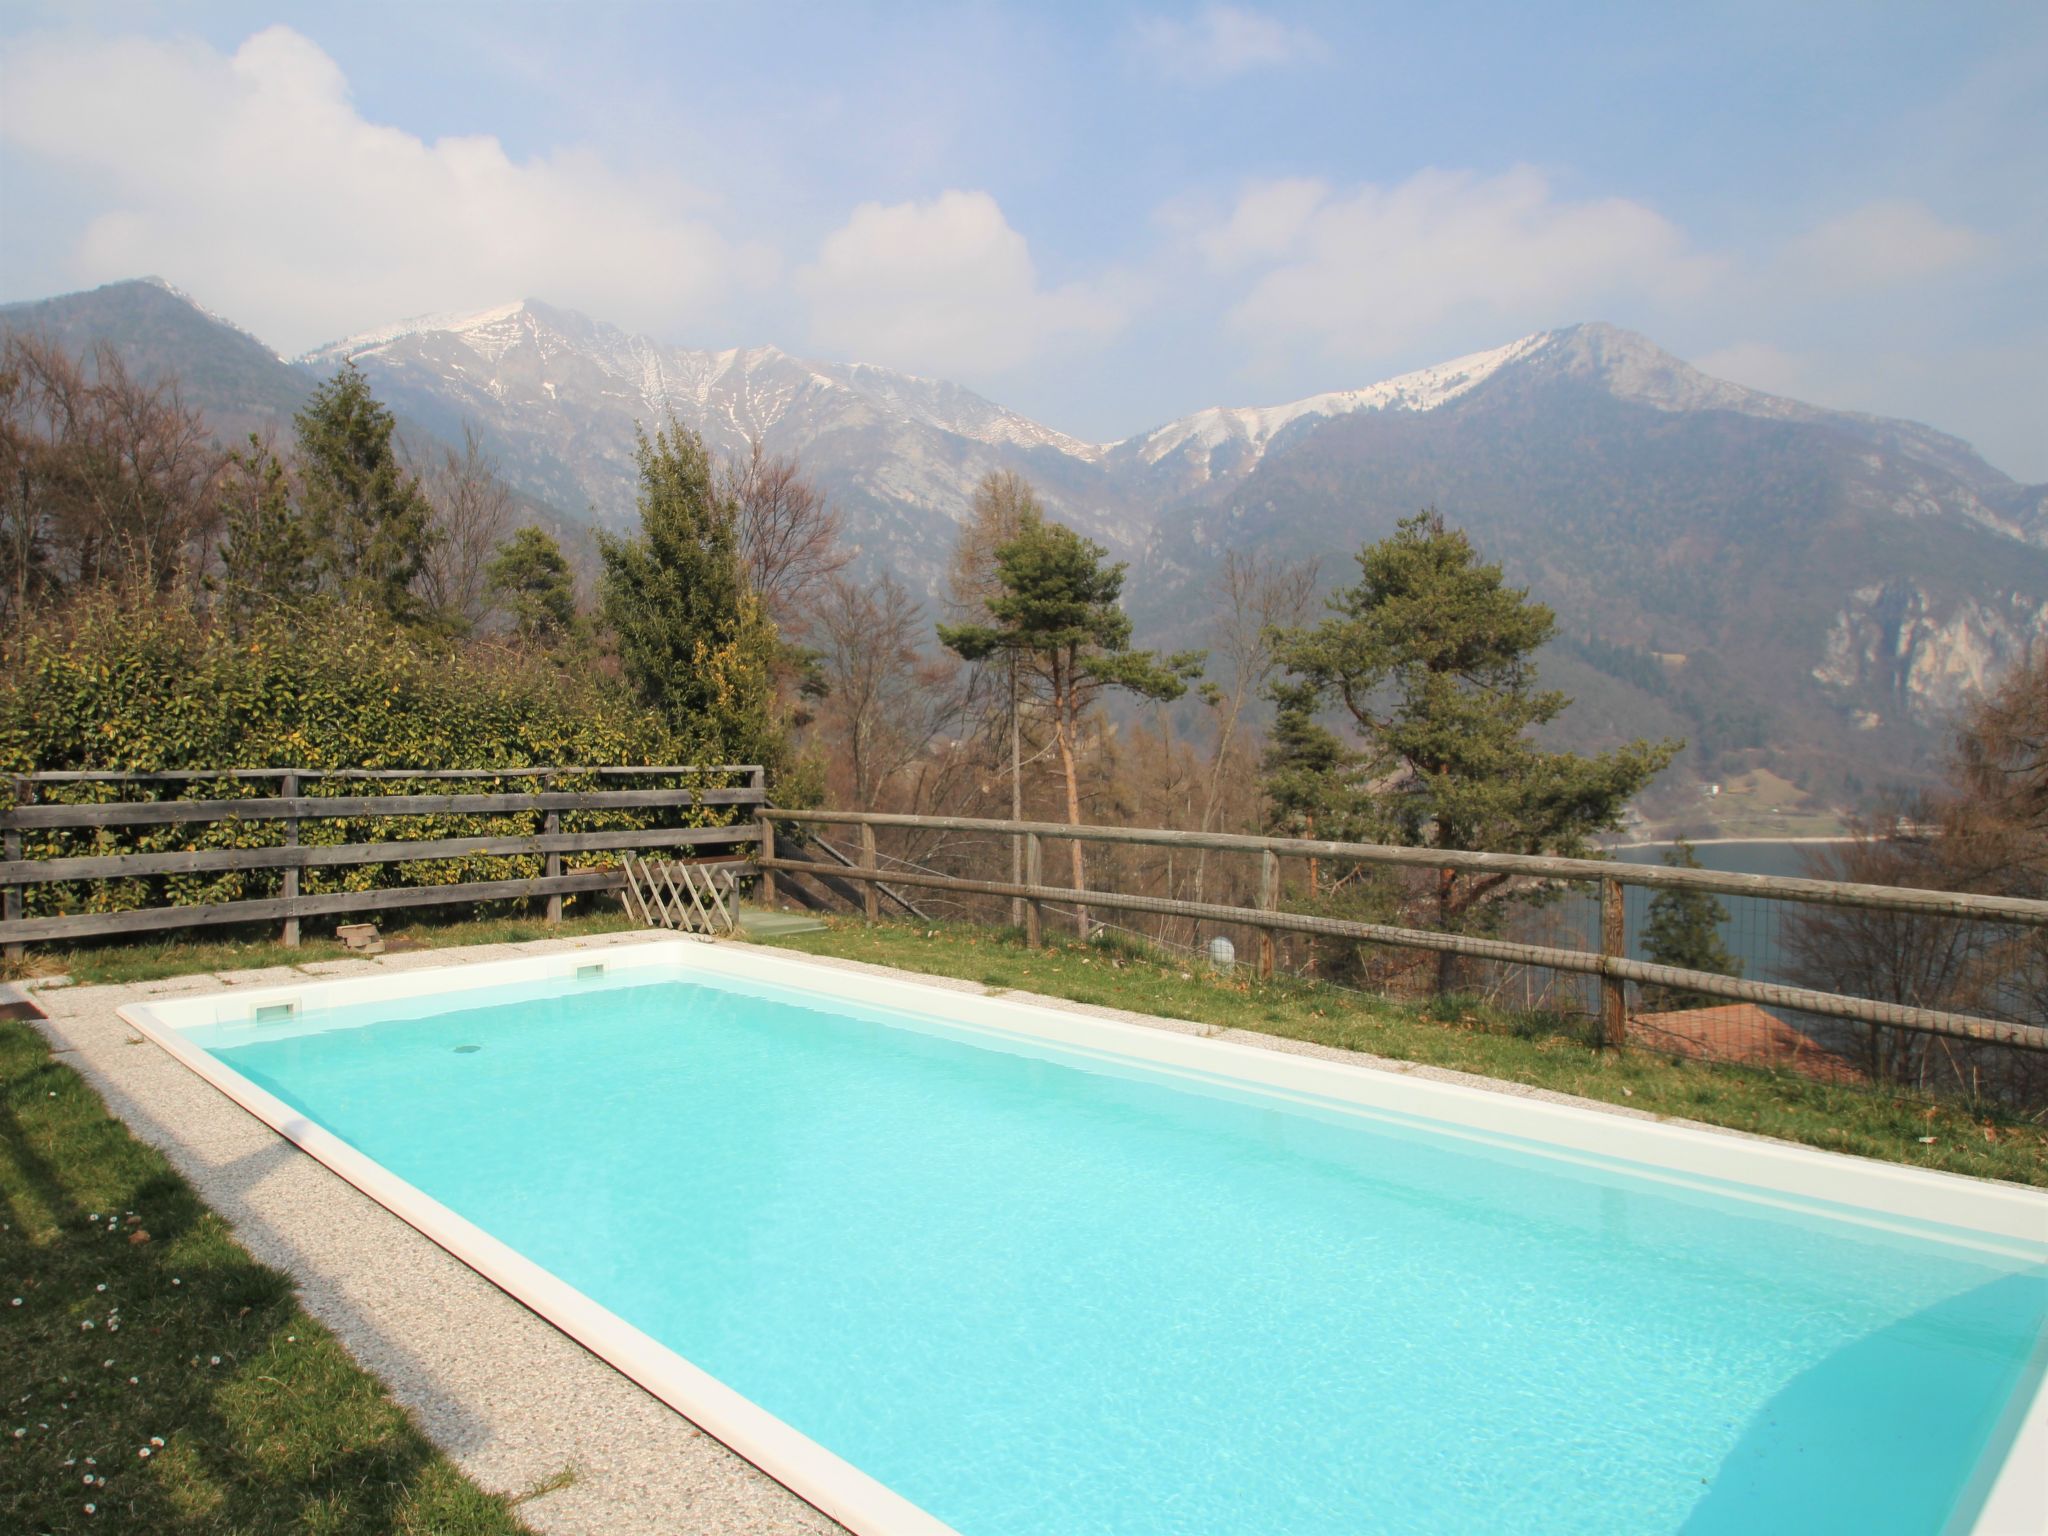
<point>1898,642</point>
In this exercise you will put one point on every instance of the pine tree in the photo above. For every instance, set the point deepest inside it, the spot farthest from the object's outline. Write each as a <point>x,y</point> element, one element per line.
<point>530,576</point>
<point>1684,930</point>
<point>1307,770</point>
<point>1055,612</point>
<point>371,522</point>
<point>267,556</point>
<point>1433,655</point>
<point>692,638</point>
<point>1003,504</point>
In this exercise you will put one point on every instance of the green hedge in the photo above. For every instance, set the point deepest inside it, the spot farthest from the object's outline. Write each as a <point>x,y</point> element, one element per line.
<point>144,689</point>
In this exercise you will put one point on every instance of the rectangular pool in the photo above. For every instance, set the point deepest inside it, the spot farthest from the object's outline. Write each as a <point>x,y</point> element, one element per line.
<point>944,1261</point>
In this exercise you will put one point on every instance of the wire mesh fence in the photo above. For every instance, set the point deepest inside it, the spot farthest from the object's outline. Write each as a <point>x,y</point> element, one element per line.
<point>1939,994</point>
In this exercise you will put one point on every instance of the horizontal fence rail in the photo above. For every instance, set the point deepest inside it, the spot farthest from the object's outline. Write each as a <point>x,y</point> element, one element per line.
<point>141,813</point>
<point>1614,968</point>
<point>747,840</point>
<point>208,775</point>
<point>1830,893</point>
<point>291,812</point>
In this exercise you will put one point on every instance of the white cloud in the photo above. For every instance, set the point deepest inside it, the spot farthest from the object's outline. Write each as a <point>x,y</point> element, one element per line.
<point>1267,223</point>
<point>942,286</point>
<point>1360,274</point>
<point>1222,41</point>
<point>252,180</point>
<point>1880,244</point>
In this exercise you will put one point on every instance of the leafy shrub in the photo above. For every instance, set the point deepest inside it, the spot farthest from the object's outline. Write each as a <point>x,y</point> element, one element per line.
<point>143,688</point>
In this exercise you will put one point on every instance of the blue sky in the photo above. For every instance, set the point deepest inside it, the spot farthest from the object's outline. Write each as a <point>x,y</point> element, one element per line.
<point>1102,215</point>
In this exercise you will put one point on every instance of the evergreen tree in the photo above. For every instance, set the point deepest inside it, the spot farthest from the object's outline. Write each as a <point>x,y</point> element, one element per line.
<point>371,522</point>
<point>692,638</point>
<point>1433,655</point>
<point>1307,769</point>
<point>267,556</point>
<point>1684,930</point>
<point>529,575</point>
<point>1054,612</point>
<point>1307,774</point>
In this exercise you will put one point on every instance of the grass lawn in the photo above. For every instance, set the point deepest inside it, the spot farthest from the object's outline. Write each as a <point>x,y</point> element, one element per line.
<point>1545,1052</point>
<point>147,959</point>
<point>173,1384</point>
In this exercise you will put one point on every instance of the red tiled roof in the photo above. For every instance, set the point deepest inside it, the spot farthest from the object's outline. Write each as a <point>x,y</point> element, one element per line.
<point>1738,1032</point>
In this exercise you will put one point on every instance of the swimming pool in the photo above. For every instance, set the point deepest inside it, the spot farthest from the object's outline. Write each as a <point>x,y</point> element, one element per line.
<point>939,1260</point>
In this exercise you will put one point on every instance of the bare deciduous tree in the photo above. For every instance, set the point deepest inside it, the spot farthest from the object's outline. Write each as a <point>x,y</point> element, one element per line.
<point>29,478</point>
<point>1257,596</point>
<point>788,534</point>
<point>472,514</point>
<point>1985,830</point>
<point>1995,820</point>
<point>110,478</point>
<point>1914,958</point>
<point>886,701</point>
<point>1999,768</point>
<point>1003,504</point>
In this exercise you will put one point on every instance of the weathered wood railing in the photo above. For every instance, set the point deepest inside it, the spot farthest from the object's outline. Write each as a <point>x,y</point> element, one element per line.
<point>292,807</point>
<point>1610,963</point>
<point>750,837</point>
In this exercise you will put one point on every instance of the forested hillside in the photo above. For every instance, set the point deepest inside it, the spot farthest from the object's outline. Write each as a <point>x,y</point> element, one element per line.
<point>1806,594</point>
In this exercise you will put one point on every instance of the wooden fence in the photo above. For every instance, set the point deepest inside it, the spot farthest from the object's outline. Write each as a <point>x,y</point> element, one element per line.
<point>293,806</point>
<point>748,837</point>
<point>1610,963</point>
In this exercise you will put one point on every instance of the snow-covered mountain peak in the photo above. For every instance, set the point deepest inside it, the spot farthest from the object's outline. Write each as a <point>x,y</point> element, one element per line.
<point>743,390</point>
<point>1630,366</point>
<point>1247,430</point>
<point>499,318</point>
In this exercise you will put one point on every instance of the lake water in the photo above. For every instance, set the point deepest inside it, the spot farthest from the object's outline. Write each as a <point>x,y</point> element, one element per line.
<point>1754,931</point>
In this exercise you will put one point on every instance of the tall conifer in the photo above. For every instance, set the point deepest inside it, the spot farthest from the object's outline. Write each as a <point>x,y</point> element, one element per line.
<point>370,521</point>
<point>692,638</point>
<point>1434,656</point>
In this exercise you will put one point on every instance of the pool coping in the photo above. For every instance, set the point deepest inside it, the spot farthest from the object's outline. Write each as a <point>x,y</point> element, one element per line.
<point>1918,1195</point>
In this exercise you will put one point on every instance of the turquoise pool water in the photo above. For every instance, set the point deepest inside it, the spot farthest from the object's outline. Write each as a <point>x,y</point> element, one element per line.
<point>1038,1292</point>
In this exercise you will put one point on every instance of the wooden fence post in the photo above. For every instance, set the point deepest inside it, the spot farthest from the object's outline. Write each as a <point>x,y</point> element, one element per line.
<point>1269,901</point>
<point>765,830</point>
<point>288,786</point>
<point>1034,874</point>
<point>870,898</point>
<point>551,825</point>
<point>1613,946</point>
<point>10,899</point>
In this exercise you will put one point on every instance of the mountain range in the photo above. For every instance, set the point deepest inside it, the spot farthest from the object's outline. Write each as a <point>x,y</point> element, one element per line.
<point>1790,587</point>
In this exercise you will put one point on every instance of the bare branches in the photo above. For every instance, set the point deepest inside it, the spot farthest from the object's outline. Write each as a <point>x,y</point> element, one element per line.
<point>1003,503</point>
<point>788,534</point>
<point>472,512</point>
<point>2000,760</point>
<point>886,702</point>
<point>1259,596</point>
<point>110,480</point>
